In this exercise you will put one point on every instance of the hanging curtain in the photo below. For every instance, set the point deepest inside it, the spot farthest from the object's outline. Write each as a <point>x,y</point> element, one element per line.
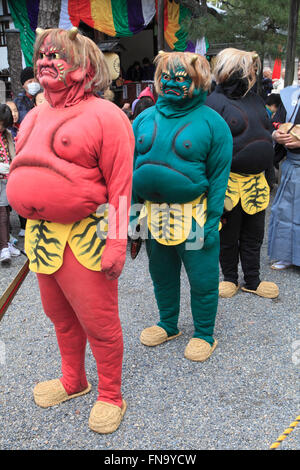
<point>176,35</point>
<point>113,17</point>
<point>25,17</point>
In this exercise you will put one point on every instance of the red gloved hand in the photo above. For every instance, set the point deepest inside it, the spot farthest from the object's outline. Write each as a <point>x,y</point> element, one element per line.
<point>113,258</point>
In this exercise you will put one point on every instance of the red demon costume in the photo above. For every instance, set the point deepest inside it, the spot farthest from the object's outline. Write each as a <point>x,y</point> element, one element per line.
<point>74,154</point>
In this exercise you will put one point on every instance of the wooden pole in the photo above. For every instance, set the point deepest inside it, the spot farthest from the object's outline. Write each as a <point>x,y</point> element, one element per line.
<point>160,25</point>
<point>291,42</point>
<point>12,289</point>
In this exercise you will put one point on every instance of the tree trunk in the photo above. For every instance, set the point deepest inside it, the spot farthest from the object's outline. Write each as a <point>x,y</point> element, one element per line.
<point>49,12</point>
<point>291,43</point>
<point>160,26</point>
<point>14,57</point>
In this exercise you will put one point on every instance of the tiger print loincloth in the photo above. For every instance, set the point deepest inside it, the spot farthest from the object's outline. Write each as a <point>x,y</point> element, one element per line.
<point>170,224</point>
<point>252,190</point>
<point>45,242</point>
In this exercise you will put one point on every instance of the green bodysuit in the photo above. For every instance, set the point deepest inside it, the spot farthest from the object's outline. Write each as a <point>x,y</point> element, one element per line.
<point>183,155</point>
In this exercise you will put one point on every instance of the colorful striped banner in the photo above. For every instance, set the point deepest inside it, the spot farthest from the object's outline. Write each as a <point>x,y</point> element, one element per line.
<point>175,34</point>
<point>113,17</point>
<point>25,17</point>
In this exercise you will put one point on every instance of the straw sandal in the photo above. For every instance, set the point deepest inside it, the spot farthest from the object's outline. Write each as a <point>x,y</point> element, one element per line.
<point>52,393</point>
<point>105,418</point>
<point>155,335</point>
<point>266,289</point>
<point>199,350</point>
<point>228,289</point>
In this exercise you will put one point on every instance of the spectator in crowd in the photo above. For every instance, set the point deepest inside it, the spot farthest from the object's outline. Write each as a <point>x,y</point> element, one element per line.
<point>148,69</point>
<point>7,153</point>
<point>267,84</point>
<point>142,104</point>
<point>278,85</point>
<point>39,98</point>
<point>25,100</point>
<point>273,102</point>
<point>134,73</point>
<point>267,73</point>
<point>146,93</point>
<point>15,114</point>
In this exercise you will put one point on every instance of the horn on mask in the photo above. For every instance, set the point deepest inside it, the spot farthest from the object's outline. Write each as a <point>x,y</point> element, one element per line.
<point>39,31</point>
<point>193,59</point>
<point>72,33</point>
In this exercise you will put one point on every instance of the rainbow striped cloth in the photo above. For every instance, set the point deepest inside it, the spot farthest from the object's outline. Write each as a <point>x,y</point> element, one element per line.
<point>112,17</point>
<point>25,17</point>
<point>126,17</point>
<point>175,34</point>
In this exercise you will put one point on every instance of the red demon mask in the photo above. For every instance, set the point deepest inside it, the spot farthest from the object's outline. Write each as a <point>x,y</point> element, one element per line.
<point>65,83</point>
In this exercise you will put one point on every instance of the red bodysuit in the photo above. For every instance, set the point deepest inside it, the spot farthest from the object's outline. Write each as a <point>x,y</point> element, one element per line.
<point>75,153</point>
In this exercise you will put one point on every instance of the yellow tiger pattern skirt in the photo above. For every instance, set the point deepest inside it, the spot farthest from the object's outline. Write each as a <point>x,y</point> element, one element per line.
<point>45,242</point>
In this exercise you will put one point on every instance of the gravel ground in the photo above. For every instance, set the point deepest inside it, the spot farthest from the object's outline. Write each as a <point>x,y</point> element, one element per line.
<point>242,398</point>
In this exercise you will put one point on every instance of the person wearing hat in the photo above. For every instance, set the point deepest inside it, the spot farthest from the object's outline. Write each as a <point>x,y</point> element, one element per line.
<point>24,100</point>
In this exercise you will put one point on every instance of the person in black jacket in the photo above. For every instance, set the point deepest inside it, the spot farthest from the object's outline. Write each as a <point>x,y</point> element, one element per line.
<point>247,194</point>
<point>24,100</point>
<point>266,85</point>
<point>135,72</point>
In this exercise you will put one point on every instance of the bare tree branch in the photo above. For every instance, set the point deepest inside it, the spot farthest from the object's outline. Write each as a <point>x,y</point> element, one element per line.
<point>230,4</point>
<point>214,13</point>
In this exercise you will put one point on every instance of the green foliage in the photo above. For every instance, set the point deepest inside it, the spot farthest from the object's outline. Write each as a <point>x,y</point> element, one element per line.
<point>259,25</point>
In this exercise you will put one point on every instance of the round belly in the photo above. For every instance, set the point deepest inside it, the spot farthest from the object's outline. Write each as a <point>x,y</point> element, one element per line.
<point>253,158</point>
<point>41,193</point>
<point>160,183</point>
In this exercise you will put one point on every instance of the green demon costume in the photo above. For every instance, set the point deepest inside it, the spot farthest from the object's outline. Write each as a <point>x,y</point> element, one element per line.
<point>182,162</point>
